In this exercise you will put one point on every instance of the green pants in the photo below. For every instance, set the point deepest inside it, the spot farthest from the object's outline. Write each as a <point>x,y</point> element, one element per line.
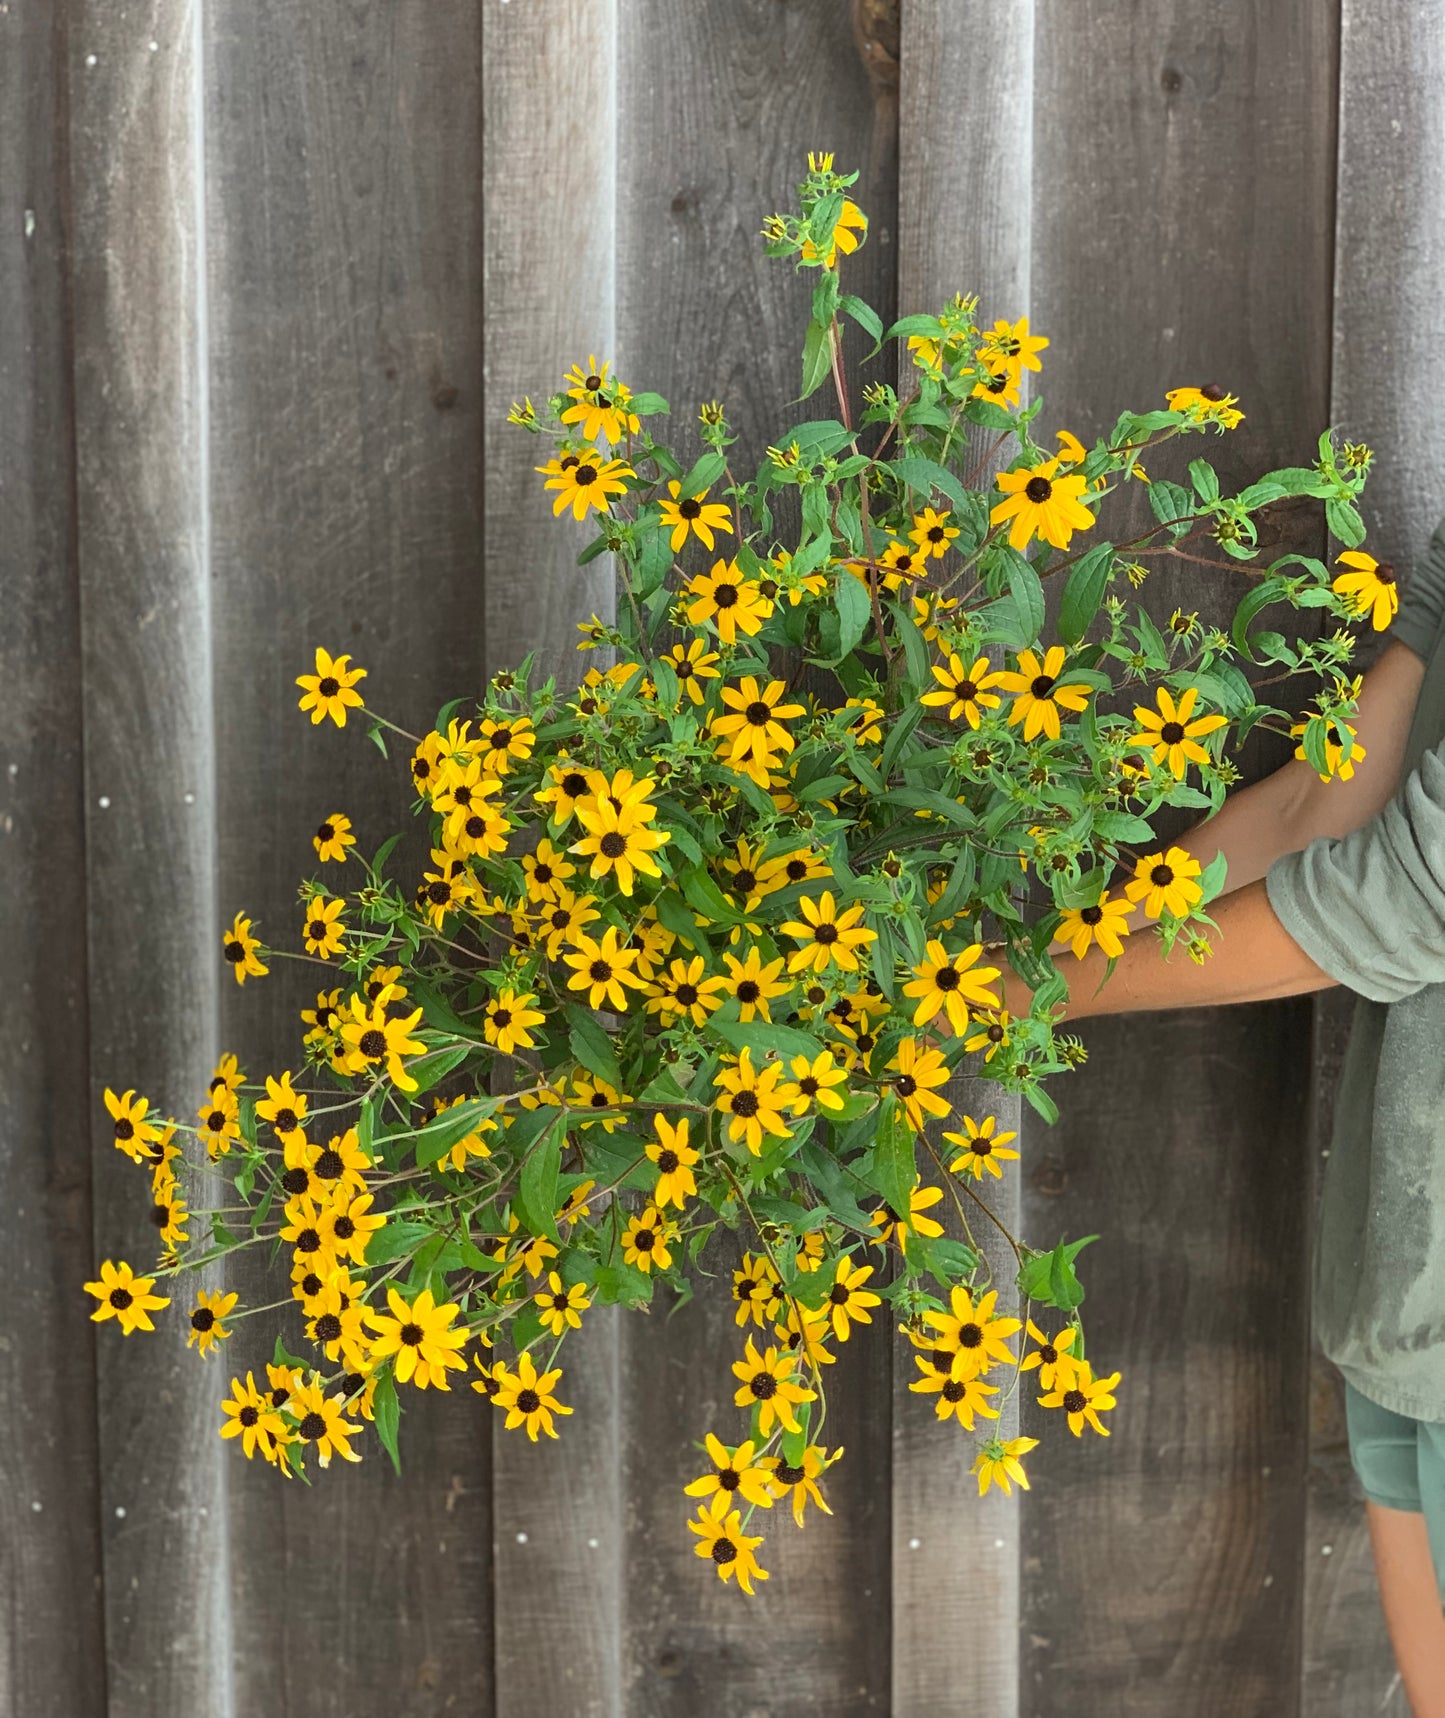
<point>1401,1465</point>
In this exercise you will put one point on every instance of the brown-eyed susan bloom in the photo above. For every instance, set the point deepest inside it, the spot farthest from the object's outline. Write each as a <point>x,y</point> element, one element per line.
<point>754,725</point>
<point>527,1397</point>
<point>421,1336</point>
<point>755,983</point>
<point>321,927</point>
<point>918,1073</point>
<point>733,604</point>
<point>848,229</point>
<point>1104,923</point>
<point>1169,733</point>
<point>848,1300</point>
<point>602,968</point>
<point>757,1289</point>
<point>508,1020</point>
<point>736,1475</point>
<point>892,1226</point>
<point>647,1238</point>
<point>251,1417</point>
<point>964,690</point>
<point>767,1381</point>
<point>1371,585</point>
<point>125,1296</point>
<point>751,1099</point>
<point>617,842</point>
<point>1040,503</point>
<point>562,1304</point>
<point>982,1148</point>
<point>951,982</point>
<point>1083,1398</point>
<point>206,1326</point>
<point>674,1158</point>
<point>583,480</point>
<point>1336,763</point>
<point>684,992</point>
<point>932,533</point>
<point>331,690</point>
<point>694,515</point>
<point>801,1480</point>
<point>693,663</point>
<point>1164,880</point>
<point>812,1082</point>
<point>1056,1365</point>
<point>239,948</point>
<point>333,837</point>
<point>1039,693</point>
<point>829,938</point>
<point>998,1462</point>
<point>371,1036</point>
<point>321,1421</point>
<point>722,1539</point>
<point>976,1337</point>
<point>960,1397</point>
<point>135,1134</point>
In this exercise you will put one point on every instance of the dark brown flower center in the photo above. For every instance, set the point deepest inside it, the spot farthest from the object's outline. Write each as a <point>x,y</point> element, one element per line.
<point>1038,490</point>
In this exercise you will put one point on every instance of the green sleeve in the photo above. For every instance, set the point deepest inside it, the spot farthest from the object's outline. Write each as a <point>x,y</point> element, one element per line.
<point>1422,605</point>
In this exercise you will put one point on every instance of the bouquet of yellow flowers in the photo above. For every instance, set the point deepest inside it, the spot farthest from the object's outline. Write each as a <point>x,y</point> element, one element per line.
<point>706,940</point>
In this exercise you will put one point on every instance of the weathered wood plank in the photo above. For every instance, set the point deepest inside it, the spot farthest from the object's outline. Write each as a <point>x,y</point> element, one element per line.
<point>1162,1570</point>
<point>152,923</point>
<point>954,1551</point>
<point>52,1656</point>
<point>342,153</point>
<point>549,168</point>
<point>1385,390</point>
<point>719,105</point>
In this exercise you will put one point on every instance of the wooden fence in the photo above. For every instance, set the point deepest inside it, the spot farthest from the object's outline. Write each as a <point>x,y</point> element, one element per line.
<point>270,275</point>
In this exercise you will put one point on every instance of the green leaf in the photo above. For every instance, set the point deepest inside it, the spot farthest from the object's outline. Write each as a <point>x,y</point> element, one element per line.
<point>1084,591</point>
<point>386,1412</point>
<point>704,474</point>
<point>704,897</point>
<point>443,1131</point>
<point>892,1167</point>
<point>1264,593</point>
<point>647,405</point>
<point>817,358</point>
<point>854,612</point>
<point>375,735</point>
<point>764,1035</point>
<point>537,1188</point>
<point>1345,523</point>
<point>866,317</point>
<point>395,1239</point>
<point>906,325</point>
<point>428,1070</point>
<point>1028,595</point>
<point>592,1047</point>
<point>1049,1278</point>
<point>1206,484</point>
<point>926,475</point>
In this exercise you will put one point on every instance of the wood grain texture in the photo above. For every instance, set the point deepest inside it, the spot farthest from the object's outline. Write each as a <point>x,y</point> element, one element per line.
<point>965,190</point>
<point>719,105</point>
<point>1386,382</point>
<point>1182,203</point>
<point>342,148</point>
<point>548,158</point>
<point>152,921</point>
<point>52,1652</point>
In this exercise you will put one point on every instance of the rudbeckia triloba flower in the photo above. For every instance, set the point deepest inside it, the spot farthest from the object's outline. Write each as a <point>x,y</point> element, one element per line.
<point>998,1462</point>
<point>1083,1398</point>
<point>831,729</point>
<point>1042,504</point>
<point>1170,734</point>
<point>1371,584</point>
<point>331,690</point>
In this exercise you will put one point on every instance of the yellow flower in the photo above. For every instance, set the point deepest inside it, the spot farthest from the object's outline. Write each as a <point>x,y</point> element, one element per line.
<point>240,948</point>
<point>932,533</point>
<point>736,1475</point>
<point>134,1134</point>
<point>1052,1356</point>
<point>647,1238</point>
<point>1083,1398</point>
<point>693,513</point>
<point>1041,504</point>
<point>1169,733</point>
<point>892,1226</point>
<point>372,1037</point>
<point>322,929</point>
<point>684,993</point>
<point>767,1381</point>
<point>562,1307</point>
<point>421,1336</point>
<point>802,1480</point>
<point>602,969</point>
<point>751,1098</point>
<point>732,602</point>
<point>527,1396</point>
<point>320,1420</point>
<point>1372,586</point>
<point>125,1296</point>
<point>1163,880</point>
<point>722,1541</point>
<point>1205,405</point>
<point>961,1397</point>
<point>1336,763</point>
<point>918,1072</point>
<point>999,1461</point>
<point>283,1107</point>
<point>333,837</point>
<point>546,870</point>
<point>598,410</point>
<point>963,689</point>
<point>1038,693</point>
<point>991,1030</point>
<point>754,984</point>
<point>502,743</point>
<point>1011,343</point>
<point>983,1147</point>
<point>584,482</point>
<point>976,1339</point>
<point>330,691</point>
<point>951,982</point>
<point>206,1327</point>
<point>848,1300</point>
<point>693,663</point>
<point>1103,923</point>
<point>829,938</point>
<point>812,1083</point>
<point>508,1018</point>
<point>754,728</point>
<point>674,1158</point>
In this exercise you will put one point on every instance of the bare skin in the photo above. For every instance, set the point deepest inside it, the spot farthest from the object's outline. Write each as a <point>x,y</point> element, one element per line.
<point>1255,959</point>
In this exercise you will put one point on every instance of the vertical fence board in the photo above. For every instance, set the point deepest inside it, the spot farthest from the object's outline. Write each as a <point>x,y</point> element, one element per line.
<point>1386,389</point>
<point>148,759</point>
<point>719,105</point>
<point>52,1658</point>
<point>342,151</point>
<point>965,187</point>
<point>548,106</point>
<point>1162,1570</point>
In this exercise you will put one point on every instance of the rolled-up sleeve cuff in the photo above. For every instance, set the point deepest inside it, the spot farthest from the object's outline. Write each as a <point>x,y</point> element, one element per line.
<point>1326,928</point>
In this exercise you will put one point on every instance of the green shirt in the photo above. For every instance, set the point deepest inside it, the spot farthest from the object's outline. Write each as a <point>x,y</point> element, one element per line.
<point>1369,909</point>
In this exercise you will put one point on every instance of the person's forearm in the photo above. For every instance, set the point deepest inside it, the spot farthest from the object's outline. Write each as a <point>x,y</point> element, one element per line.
<point>1254,959</point>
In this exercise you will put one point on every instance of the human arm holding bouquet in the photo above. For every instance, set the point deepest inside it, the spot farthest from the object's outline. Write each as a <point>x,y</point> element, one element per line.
<point>1363,887</point>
